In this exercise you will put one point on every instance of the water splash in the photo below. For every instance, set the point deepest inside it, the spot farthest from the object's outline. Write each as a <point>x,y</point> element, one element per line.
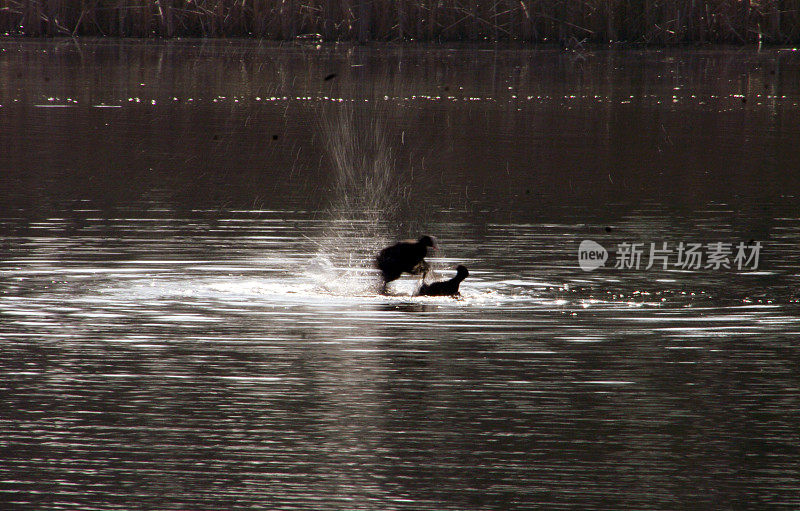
<point>368,195</point>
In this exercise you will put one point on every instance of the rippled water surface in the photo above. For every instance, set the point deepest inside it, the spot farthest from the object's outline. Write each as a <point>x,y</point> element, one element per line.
<point>189,317</point>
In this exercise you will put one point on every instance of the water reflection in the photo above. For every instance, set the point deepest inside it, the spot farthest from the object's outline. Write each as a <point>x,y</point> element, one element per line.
<point>189,317</point>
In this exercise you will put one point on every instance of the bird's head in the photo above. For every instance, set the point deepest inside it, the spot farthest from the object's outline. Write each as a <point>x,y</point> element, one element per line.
<point>428,241</point>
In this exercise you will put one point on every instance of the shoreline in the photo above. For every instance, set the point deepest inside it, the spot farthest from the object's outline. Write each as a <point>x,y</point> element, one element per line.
<point>664,23</point>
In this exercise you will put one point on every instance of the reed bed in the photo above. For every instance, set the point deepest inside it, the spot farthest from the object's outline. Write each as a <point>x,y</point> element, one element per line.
<point>563,21</point>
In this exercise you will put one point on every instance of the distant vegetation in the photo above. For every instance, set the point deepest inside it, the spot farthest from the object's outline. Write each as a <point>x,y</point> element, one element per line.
<point>564,21</point>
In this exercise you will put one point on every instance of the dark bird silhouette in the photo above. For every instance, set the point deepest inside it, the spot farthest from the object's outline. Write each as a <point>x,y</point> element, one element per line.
<point>404,257</point>
<point>445,287</point>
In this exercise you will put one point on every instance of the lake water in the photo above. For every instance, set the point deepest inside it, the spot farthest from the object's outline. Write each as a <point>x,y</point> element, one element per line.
<point>189,316</point>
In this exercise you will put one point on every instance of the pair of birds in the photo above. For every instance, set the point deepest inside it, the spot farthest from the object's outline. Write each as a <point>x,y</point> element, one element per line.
<point>409,257</point>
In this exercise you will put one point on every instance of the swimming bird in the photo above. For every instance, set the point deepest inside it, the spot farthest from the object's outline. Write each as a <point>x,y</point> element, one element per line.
<point>445,287</point>
<point>404,257</point>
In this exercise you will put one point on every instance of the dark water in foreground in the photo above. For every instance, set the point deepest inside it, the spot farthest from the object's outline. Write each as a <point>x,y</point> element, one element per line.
<point>188,319</point>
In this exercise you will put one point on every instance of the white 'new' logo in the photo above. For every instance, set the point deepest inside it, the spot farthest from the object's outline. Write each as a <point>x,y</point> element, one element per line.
<point>591,255</point>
